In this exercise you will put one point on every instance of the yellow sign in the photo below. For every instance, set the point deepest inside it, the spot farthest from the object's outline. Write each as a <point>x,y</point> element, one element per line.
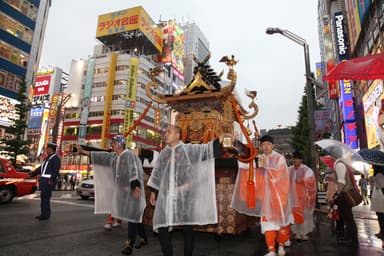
<point>108,101</point>
<point>128,20</point>
<point>373,101</point>
<point>130,98</point>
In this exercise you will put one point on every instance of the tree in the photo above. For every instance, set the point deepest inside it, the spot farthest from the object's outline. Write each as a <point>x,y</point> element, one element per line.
<point>300,140</point>
<point>16,144</point>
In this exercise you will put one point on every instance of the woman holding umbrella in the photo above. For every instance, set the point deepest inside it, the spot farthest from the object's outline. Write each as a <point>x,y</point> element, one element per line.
<point>376,158</point>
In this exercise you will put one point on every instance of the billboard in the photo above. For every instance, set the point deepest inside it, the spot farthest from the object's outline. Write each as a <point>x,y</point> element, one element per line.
<point>354,26</point>
<point>36,117</point>
<point>173,46</point>
<point>41,85</point>
<point>373,102</point>
<point>322,123</point>
<point>135,18</point>
<point>363,8</point>
<point>130,98</point>
<point>7,111</point>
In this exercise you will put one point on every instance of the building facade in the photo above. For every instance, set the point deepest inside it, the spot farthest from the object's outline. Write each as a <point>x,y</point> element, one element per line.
<point>22,27</point>
<point>196,45</point>
<point>350,29</point>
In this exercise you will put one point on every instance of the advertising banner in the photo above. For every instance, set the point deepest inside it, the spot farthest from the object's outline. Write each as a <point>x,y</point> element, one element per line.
<point>373,102</point>
<point>7,111</point>
<point>354,26</point>
<point>42,85</point>
<point>108,101</point>
<point>129,20</point>
<point>322,123</point>
<point>86,101</point>
<point>363,8</point>
<point>130,97</point>
<point>35,117</point>
<point>346,94</point>
<point>173,46</point>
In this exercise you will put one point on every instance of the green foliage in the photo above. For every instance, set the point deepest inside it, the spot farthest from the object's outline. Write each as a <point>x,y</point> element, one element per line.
<point>16,144</point>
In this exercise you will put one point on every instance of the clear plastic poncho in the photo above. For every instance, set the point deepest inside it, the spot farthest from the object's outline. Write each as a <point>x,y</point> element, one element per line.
<point>303,197</point>
<point>271,188</point>
<point>113,175</point>
<point>184,177</point>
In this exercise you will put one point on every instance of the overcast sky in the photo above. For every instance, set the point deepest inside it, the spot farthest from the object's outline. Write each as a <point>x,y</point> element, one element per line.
<point>271,64</point>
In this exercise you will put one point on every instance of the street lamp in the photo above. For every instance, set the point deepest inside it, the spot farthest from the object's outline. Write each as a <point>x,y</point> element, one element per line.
<point>301,41</point>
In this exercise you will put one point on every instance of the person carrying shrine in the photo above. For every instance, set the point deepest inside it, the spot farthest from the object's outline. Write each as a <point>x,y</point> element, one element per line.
<point>303,196</point>
<point>183,189</point>
<point>272,203</point>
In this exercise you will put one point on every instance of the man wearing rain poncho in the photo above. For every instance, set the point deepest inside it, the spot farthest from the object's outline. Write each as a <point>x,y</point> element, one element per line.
<point>183,188</point>
<point>119,188</point>
<point>271,188</point>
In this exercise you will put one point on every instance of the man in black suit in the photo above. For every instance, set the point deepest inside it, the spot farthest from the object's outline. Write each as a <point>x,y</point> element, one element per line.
<point>48,171</point>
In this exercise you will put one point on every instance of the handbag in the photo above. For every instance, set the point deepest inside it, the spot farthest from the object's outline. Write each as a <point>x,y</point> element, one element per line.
<point>352,197</point>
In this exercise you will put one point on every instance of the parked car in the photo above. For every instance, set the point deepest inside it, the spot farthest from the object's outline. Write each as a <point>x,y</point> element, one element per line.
<point>13,183</point>
<point>86,189</point>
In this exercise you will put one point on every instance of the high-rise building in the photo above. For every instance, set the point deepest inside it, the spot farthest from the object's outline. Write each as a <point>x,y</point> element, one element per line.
<point>196,45</point>
<point>108,89</point>
<point>22,27</point>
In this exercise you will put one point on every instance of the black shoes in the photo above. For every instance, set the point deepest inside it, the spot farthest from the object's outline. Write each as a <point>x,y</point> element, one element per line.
<point>128,248</point>
<point>140,243</point>
<point>41,217</point>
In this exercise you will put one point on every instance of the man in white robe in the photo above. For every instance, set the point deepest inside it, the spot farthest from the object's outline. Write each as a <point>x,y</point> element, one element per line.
<point>183,189</point>
<point>119,187</point>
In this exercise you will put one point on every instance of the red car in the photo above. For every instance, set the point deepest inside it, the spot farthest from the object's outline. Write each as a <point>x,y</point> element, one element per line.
<point>13,183</point>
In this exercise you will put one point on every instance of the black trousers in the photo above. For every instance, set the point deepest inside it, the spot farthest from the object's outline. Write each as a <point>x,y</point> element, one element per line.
<point>135,229</point>
<point>349,222</point>
<point>45,202</point>
<point>380,218</point>
<point>166,241</point>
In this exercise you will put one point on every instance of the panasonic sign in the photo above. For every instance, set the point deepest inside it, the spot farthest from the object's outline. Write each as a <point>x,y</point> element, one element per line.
<point>341,36</point>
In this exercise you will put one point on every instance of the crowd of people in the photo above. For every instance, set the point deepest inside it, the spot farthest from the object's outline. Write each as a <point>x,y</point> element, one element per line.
<point>182,185</point>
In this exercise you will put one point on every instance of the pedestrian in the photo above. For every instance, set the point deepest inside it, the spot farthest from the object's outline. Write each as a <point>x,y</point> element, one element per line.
<point>303,196</point>
<point>183,189</point>
<point>73,182</point>
<point>363,184</point>
<point>66,179</point>
<point>272,200</point>
<point>377,200</point>
<point>346,229</point>
<point>59,182</point>
<point>119,186</point>
<point>48,172</point>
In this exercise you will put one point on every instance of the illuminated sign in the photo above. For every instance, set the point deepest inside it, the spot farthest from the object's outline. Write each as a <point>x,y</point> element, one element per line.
<point>373,113</point>
<point>341,36</point>
<point>128,20</point>
<point>42,85</point>
<point>346,94</point>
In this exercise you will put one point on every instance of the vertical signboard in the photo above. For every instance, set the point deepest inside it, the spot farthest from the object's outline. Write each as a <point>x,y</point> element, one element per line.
<point>346,94</point>
<point>108,101</point>
<point>374,114</point>
<point>85,102</point>
<point>130,98</point>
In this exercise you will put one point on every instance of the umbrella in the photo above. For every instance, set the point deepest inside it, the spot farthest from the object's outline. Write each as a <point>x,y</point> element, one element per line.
<point>328,161</point>
<point>368,67</point>
<point>345,153</point>
<point>372,156</point>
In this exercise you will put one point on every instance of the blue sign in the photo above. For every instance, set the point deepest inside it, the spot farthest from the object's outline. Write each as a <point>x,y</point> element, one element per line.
<point>350,135</point>
<point>346,91</point>
<point>36,117</point>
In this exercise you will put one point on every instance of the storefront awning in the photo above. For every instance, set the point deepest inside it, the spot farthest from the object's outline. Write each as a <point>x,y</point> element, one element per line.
<point>370,67</point>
